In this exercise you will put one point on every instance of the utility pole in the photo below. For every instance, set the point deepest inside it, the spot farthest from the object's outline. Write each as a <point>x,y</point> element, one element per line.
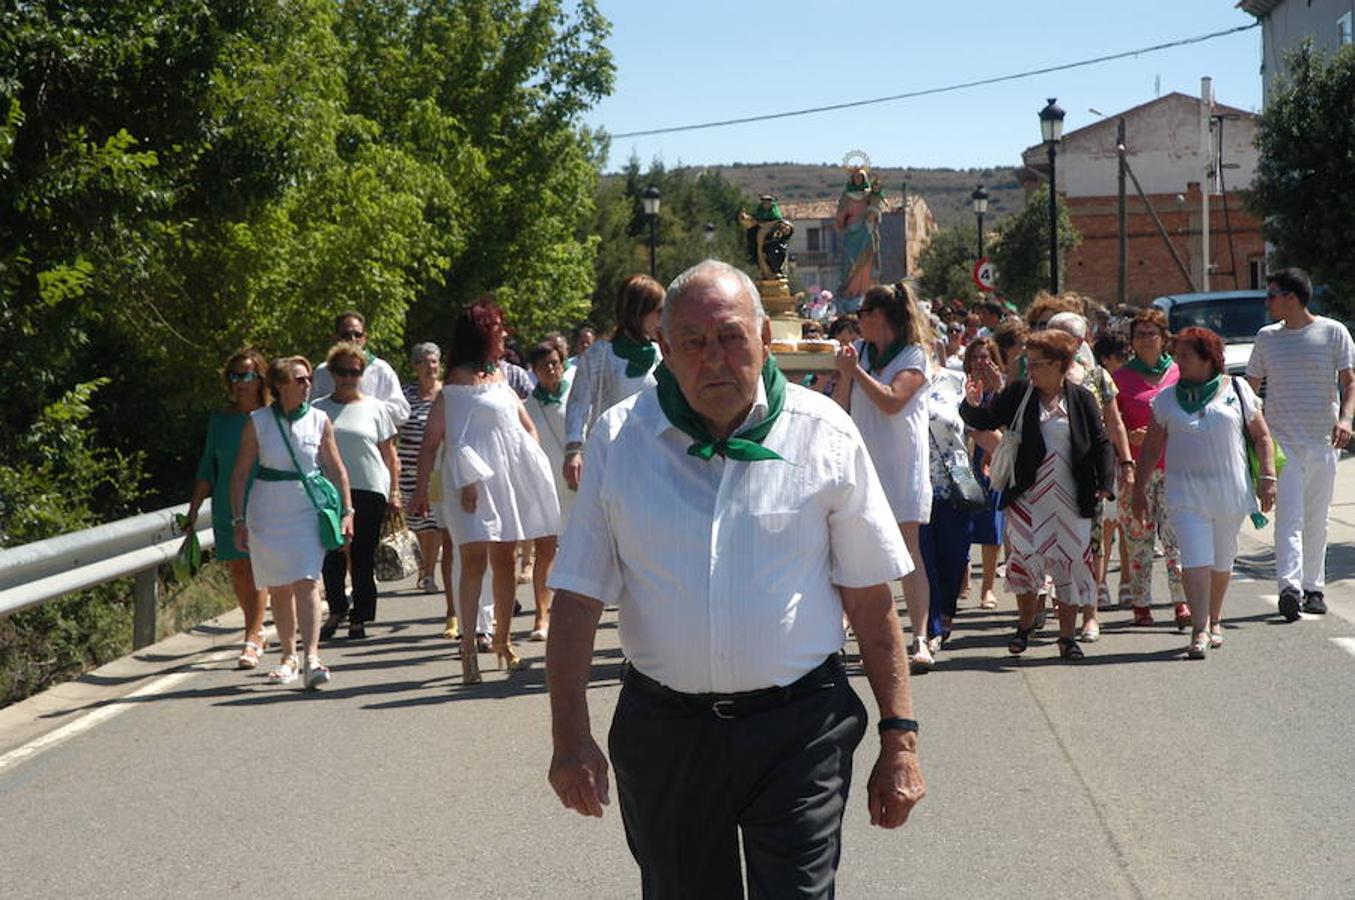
<point>1122,212</point>
<point>1207,182</point>
<point>905,228</point>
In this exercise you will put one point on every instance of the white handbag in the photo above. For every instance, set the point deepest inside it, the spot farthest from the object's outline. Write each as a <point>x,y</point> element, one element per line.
<point>1002,467</point>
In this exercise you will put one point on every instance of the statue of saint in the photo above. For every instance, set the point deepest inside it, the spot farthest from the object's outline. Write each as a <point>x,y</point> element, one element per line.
<point>768,233</point>
<point>858,220</point>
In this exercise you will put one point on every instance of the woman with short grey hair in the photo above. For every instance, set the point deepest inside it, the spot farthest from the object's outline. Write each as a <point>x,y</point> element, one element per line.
<point>426,360</point>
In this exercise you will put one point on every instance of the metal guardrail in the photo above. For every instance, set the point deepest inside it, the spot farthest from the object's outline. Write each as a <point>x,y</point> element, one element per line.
<point>32,574</point>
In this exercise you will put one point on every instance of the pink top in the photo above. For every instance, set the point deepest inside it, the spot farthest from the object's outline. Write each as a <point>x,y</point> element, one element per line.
<point>1136,398</point>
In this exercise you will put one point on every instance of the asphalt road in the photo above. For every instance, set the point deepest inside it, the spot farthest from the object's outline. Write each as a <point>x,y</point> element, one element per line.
<point>1136,773</point>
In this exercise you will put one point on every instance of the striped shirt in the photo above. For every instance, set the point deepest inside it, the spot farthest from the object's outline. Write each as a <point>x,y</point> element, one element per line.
<point>1300,366</point>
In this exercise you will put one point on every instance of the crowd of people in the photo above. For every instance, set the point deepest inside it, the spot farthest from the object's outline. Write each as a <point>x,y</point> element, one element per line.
<point>1106,431</point>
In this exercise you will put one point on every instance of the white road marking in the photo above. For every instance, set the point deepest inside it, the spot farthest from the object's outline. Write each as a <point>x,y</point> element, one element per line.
<point>1345,643</point>
<point>114,707</point>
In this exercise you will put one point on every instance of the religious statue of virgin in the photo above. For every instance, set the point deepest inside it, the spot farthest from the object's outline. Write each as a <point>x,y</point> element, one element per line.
<point>858,220</point>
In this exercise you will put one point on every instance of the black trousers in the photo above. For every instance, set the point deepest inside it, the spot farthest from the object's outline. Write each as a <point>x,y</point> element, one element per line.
<point>369,511</point>
<point>689,783</point>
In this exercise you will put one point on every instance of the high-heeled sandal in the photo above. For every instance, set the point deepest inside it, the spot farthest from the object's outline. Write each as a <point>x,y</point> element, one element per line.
<point>470,666</point>
<point>287,672</point>
<point>508,658</point>
<point>249,657</point>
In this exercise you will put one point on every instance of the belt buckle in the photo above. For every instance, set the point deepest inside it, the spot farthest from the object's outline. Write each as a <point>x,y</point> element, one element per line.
<point>720,713</point>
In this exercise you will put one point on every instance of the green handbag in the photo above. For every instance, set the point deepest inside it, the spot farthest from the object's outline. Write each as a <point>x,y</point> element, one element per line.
<point>324,496</point>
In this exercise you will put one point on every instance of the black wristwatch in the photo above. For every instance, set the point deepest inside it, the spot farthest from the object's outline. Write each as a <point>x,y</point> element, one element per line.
<point>897,724</point>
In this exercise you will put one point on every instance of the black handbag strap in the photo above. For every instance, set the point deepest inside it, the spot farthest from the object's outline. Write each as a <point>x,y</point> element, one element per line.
<point>287,441</point>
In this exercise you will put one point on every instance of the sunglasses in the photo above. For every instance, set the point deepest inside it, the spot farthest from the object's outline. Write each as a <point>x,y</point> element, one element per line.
<point>242,377</point>
<point>352,335</point>
<point>346,373</point>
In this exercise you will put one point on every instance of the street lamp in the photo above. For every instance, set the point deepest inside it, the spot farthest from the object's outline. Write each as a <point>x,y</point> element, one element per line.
<point>709,232</point>
<point>650,198</point>
<point>980,198</point>
<point>1051,129</point>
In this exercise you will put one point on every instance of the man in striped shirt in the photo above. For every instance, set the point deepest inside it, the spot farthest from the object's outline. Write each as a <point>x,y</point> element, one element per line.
<point>1301,358</point>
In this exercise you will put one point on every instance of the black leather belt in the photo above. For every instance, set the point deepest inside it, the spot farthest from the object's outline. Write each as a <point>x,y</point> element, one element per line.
<point>740,705</point>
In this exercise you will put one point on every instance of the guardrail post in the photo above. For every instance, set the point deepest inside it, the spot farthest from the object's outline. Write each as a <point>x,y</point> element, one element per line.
<point>147,596</point>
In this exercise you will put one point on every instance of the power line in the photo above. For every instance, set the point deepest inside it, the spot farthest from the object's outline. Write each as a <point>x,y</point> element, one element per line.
<point>941,90</point>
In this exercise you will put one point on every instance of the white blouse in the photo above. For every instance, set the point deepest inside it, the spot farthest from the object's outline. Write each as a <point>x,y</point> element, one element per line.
<point>599,382</point>
<point>1206,467</point>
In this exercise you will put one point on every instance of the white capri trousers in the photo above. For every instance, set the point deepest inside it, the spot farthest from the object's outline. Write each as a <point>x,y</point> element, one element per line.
<point>1206,540</point>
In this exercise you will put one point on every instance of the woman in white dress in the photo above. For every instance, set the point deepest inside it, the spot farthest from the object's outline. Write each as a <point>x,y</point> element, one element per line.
<point>881,382</point>
<point>1200,419</point>
<point>497,484</point>
<point>610,371</point>
<point>546,406</point>
<point>280,529</point>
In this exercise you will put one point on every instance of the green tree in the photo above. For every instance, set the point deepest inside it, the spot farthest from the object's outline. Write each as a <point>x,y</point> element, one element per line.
<point>947,265</point>
<point>1304,188</point>
<point>1021,252</point>
<point>689,200</point>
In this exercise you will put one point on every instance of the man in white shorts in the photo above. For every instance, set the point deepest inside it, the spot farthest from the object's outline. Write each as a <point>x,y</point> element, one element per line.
<point>1301,357</point>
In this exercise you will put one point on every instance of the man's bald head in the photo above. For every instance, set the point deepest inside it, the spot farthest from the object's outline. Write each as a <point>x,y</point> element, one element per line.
<point>704,273</point>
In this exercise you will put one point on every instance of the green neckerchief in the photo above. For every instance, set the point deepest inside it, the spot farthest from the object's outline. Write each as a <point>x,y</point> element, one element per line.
<point>747,445</point>
<point>870,364</point>
<point>371,357</point>
<point>1163,363</point>
<point>295,414</point>
<point>550,399</point>
<point>1193,395</point>
<point>639,356</point>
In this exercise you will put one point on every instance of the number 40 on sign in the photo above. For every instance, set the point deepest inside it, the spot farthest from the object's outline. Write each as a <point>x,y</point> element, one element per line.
<point>985,275</point>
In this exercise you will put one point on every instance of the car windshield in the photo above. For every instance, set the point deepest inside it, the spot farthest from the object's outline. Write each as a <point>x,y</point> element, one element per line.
<point>1235,319</point>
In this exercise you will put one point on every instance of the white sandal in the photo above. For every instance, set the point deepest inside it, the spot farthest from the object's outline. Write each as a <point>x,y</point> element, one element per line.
<point>287,672</point>
<point>249,657</point>
<point>316,674</point>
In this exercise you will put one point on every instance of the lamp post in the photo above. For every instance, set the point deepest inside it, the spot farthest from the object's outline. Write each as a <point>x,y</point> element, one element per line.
<point>1051,129</point>
<point>980,198</point>
<point>650,198</point>
<point>708,232</point>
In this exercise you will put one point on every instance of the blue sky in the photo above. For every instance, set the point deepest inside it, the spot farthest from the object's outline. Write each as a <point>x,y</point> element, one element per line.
<point>696,60</point>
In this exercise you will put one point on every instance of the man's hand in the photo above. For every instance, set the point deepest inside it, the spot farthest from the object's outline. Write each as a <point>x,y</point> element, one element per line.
<point>895,787</point>
<point>573,469</point>
<point>578,773</point>
<point>1340,434</point>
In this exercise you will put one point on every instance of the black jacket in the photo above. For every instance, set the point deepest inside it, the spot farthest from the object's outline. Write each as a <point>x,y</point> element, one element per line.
<point>1093,459</point>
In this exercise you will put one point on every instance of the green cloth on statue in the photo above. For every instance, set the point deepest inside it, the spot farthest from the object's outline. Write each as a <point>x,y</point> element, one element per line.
<point>870,364</point>
<point>1138,365</point>
<point>1193,395</point>
<point>745,446</point>
<point>639,356</point>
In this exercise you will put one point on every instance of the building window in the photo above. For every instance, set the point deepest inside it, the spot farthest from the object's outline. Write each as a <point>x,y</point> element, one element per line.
<point>1344,31</point>
<point>1257,273</point>
<point>812,238</point>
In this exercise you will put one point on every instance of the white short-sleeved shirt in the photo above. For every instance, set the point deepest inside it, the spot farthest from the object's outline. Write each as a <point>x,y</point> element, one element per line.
<point>726,573</point>
<point>358,427</point>
<point>898,442</point>
<point>1206,459</point>
<point>1300,367</point>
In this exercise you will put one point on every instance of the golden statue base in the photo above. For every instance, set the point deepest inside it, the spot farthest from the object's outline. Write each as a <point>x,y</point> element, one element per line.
<point>779,304</point>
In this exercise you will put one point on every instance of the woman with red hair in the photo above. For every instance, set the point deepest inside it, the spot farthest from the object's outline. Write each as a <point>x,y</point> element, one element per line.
<point>1208,491</point>
<point>498,487</point>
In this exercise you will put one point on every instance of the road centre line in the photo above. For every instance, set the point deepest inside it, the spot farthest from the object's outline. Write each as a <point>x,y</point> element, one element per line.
<point>1345,643</point>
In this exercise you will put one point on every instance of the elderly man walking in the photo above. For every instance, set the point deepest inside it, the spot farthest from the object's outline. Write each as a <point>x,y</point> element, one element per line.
<point>732,518</point>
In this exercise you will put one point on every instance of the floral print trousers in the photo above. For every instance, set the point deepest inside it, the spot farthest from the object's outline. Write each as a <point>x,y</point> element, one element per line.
<point>1139,537</point>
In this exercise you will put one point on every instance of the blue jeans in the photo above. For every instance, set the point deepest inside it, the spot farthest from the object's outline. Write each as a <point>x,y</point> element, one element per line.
<point>945,555</point>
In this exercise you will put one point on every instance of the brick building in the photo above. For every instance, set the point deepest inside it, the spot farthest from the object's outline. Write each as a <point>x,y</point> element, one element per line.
<point>1164,149</point>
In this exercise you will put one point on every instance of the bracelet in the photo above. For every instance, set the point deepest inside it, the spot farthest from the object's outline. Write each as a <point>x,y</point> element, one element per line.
<point>238,520</point>
<point>897,723</point>
<point>1269,478</point>
<point>577,451</point>
<point>348,510</point>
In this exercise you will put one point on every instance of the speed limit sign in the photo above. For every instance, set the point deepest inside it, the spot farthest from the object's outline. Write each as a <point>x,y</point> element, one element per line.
<point>985,275</point>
